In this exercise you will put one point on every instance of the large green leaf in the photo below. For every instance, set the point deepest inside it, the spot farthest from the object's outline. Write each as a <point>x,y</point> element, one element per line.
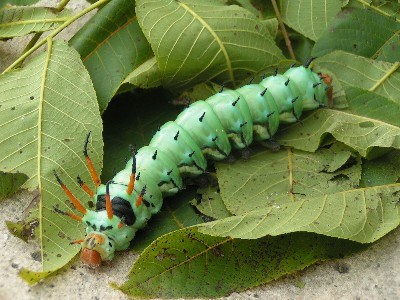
<point>274,178</point>
<point>211,203</point>
<point>111,45</point>
<point>310,18</point>
<point>19,21</point>
<point>47,109</point>
<point>196,41</point>
<point>189,264</point>
<point>361,32</point>
<point>146,76</point>
<point>9,183</point>
<point>361,215</point>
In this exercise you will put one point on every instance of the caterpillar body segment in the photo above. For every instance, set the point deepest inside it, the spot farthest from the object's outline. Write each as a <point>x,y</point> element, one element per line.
<point>207,129</point>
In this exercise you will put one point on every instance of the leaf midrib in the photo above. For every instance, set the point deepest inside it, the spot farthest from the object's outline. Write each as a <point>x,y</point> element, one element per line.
<point>215,36</point>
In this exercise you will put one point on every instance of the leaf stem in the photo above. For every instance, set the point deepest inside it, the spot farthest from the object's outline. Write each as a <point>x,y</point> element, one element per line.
<point>283,28</point>
<point>55,32</point>
<point>386,76</point>
<point>37,35</point>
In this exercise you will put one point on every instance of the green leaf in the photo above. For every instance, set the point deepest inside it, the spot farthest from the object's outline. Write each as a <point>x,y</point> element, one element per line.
<point>309,18</point>
<point>19,21</point>
<point>361,32</point>
<point>176,213</point>
<point>381,171</point>
<point>211,203</point>
<point>376,76</point>
<point>188,264</point>
<point>360,215</point>
<point>47,109</point>
<point>111,45</point>
<point>9,183</point>
<point>196,41</point>
<point>17,2</point>
<point>274,178</point>
<point>145,76</point>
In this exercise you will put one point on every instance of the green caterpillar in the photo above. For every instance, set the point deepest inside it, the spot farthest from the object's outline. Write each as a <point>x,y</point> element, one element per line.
<point>204,130</point>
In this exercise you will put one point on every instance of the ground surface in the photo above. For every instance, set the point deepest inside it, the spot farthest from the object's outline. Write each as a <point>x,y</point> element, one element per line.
<point>372,274</point>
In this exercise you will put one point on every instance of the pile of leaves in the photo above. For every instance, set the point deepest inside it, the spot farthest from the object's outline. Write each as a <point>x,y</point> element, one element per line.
<point>331,189</point>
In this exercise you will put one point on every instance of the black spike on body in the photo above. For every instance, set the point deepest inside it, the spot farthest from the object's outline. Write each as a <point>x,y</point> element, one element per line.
<point>214,138</point>
<point>154,155</point>
<point>202,117</point>
<point>287,81</point>
<point>295,99</point>
<point>309,61</point>
<point>169,172</point>
<point>133,163</point>
<point>176,136</point>
<point>251,81</point>
<point>276,72</point>
<point>191,154</point>
<point>85,146</point>
<point>137,176</point>
<point>222,89</point>
<point>236,101</point>
<point>264,91</point>
<point>270,114</point>
<point>241,125</point>
<point>143,191</point>
<point>316,84</point>
<point>293,65</point>
<point>57,177</point>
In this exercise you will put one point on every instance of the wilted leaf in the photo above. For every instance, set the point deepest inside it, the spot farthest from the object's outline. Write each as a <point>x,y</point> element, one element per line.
<point>310,18</point>
<point>361,32</point>
<point>19,21</point>
<point>196,41</point>
<point>189,264</point>
<point>273,178</point>
<point>211,203</point>
<point>111,45</point>
<point>361,215</point>
<point>47,109</point>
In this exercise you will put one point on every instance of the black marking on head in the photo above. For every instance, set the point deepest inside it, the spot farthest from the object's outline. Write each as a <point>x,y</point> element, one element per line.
<point>154,155</point>
<point>103,228</point>
<point>287,81</point>
<point>202,117</point>
<point>121,208</point>
<point>214,138</point>
<point>264,91</point>
<point>176,136</point>
<point>236,101</point>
